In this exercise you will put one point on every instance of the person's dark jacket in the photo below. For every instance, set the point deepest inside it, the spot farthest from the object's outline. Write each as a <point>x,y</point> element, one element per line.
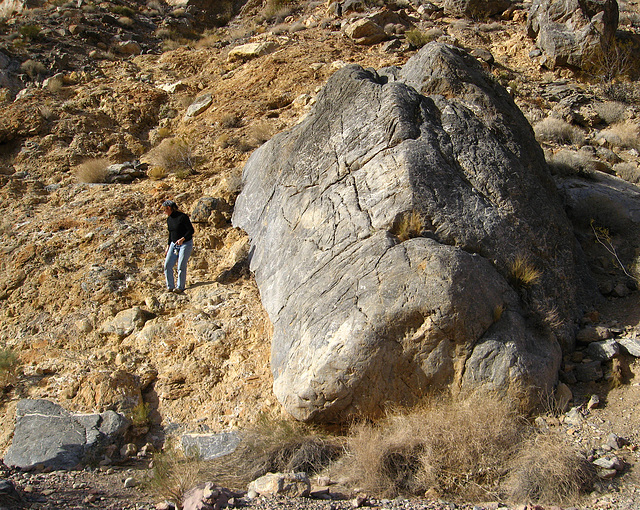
<point>179,226</point>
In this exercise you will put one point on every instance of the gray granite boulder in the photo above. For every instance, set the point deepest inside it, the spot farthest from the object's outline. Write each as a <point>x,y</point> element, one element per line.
<point>368,310</point>
<point>573,32</point>
<point>47,435</point>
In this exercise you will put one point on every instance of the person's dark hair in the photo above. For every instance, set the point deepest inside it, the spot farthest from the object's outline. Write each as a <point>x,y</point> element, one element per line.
<point>170,203</point>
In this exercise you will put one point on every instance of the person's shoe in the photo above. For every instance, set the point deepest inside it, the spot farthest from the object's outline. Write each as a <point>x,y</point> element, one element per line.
<point>178,291</point>
<point>169,291</point>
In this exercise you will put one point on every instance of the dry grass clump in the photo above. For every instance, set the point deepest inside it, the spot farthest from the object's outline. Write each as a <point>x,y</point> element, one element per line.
<point>569,163</point>
<point>522,272</point>
<point>8,366</point>
<point>92,170</point>
<point>278,10</point>
<point>628,171</point>
<point>173,474</point>
<point>156,173</point>
<point>622,134</point>
<point>408,225</point>
<point>417,38</point>
<point>33,68</point>
<point>173,154</point>
<point>281,446</point>
<point>558,131</point>
<point>455,448</point>
<point>549,471</point>
<point>610,111</point>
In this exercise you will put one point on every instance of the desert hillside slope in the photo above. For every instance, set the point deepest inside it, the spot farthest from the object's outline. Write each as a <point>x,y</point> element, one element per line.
<point>86,85</point>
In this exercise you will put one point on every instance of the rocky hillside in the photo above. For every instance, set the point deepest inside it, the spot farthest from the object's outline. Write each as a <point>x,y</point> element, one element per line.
<point>109,108</point>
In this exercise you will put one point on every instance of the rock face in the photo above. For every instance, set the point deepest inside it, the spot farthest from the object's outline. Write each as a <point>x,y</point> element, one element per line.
<point>475,8</point>
<point>571,32</point>
<point>48,435</point>
<point>364,312</point>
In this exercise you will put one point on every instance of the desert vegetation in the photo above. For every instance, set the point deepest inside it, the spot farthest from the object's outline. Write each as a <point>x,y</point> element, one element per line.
<point>476,447</point>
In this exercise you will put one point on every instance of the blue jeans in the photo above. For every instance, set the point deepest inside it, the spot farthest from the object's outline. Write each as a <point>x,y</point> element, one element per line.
<point>180,254</point>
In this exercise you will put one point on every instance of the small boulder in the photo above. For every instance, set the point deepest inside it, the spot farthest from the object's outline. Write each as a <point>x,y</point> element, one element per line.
<point>365,31</point>
<point>126,322</point>
<point>603,350</point>
<point>250,51</point>
<point>630,345</point>
<point>48,435</point>
<point>284,484</point>
<point>199,105</point>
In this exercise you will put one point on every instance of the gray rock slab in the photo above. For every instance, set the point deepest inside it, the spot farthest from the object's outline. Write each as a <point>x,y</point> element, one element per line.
<point>210,446</point>
<point>603,350</point>
<point>46,434</point>
<point>630,345</point>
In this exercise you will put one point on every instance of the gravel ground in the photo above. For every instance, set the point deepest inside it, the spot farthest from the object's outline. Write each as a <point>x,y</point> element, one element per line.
<point>105,489</point>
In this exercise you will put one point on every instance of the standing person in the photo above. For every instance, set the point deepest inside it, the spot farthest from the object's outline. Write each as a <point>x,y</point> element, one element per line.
<point>179,246</point>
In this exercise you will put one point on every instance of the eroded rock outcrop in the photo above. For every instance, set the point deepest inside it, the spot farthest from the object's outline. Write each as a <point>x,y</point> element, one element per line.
<point>364,313</point>
<point>573,33</point>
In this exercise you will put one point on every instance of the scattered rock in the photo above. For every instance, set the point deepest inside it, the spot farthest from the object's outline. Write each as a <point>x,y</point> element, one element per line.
<point>284,484</point>
<point>210,446</point>
<point>199,105</point>
<point>630,345</point>
<point>603,350</point>
<point>251,50</point>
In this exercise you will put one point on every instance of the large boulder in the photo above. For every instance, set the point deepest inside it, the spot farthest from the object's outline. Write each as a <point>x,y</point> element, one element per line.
<point>573,33</point>
<point>49,436</point>
<point>368,309</point>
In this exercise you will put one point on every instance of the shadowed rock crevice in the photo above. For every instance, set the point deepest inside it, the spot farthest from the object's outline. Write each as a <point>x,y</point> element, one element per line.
<point>321,204</point>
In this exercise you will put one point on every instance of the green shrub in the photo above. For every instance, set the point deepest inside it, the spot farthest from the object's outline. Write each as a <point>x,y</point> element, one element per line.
<point>30,32</point>
<point>122,10</point>
<point>417,38</point>
<point>8,366</point>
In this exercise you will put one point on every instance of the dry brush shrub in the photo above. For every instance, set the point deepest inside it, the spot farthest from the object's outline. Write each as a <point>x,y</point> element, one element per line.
<point>417,38</point>
<point>92,170</point>
<point>8,367</point>
<point>522,272</point>
<point>610,112</point>
<point>622,134</point>
<point>278,10</point>
<point>628,171</point>
<point>547,470</point>
<point>569,163</point>
<point>275,446</point>
<point>408,225</point>
<point>457,448</point>
<point>173,474</point>
<point>172,154</point>
<point>558,131</point>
